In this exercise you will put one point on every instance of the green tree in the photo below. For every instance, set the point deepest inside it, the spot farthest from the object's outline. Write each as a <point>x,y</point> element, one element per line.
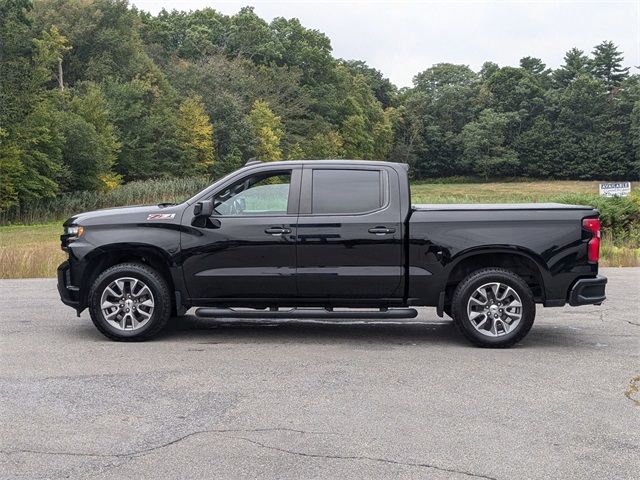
<point>195,134</point>
<point>517,90</point>
<point>250,36</point>
<point>364,129</point>
<point>405,136</point>
<point>607,64</point>
<point>384,91</point>
<point>575,63</point>
<point>188,35</point>
<point>30,147</point>
<point>90,146</point>
<point>107,49</point>
<point>304,49</point>
<point>445,98</point>
<point>229,88</point>
<point>324,145</point>
<point>537,150</point>
<point>488,69</point>
<point>589,145</point>
<point>442,75</point>
<point>484,145</point>
<point>383,136</point>
<point>267,130</point>
<point>50,49</point>
<point>11,171</point>
<point>358,141</point>
<point>635,135</point>
<point>295,152</point>
<point>533,65</point>
<point>40,142</point>
<point>146,124</point>
<point>104,36</point>
<point>19,88</point>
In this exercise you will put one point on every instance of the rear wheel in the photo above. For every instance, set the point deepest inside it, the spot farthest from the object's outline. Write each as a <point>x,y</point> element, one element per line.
<point>493,307</point>
<point>130,302</point>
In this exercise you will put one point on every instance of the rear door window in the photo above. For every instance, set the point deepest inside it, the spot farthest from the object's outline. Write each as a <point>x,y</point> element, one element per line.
<point>346,191</point>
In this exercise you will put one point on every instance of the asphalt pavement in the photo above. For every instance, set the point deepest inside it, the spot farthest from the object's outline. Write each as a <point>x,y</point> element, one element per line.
<point>214,399</point>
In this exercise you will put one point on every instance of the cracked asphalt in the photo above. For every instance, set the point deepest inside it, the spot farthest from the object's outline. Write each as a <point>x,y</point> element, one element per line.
<point>213,399</point>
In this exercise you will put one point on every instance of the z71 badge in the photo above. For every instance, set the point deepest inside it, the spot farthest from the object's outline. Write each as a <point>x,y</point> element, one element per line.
<point>161,216</point>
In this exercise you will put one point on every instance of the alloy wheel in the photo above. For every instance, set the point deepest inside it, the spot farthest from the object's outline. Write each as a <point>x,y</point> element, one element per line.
<point>494,309</point>
<point>127,303</point>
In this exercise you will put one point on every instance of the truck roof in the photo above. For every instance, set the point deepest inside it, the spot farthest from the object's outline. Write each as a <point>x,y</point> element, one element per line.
<point>342,161</point>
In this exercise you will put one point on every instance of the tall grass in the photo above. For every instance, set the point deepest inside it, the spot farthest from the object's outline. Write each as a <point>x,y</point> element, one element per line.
<point>31,261</point>
<point>30,251</point>
<point>134,193</point>
<point>619,252</point>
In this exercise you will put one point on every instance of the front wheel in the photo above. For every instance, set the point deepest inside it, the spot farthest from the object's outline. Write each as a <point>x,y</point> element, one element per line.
<point>130,302</point>
<point>493,307</point>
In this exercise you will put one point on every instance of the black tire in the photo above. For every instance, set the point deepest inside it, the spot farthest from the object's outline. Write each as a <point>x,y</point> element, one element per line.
<point>161,309</point>
<point>467,287</point>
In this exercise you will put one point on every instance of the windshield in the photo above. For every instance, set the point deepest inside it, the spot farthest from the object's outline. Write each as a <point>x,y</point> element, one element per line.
<point>208,187</point>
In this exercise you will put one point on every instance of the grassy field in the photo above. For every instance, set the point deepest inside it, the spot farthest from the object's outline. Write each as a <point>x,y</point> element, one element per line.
<point>510,192</point>
<point>34,250</point>
<point>30,251</point>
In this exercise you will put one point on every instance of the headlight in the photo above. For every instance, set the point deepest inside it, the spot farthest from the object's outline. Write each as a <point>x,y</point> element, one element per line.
<point>74,231</point>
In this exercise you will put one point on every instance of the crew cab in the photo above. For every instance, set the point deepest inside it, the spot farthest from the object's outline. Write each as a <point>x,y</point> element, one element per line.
<point>328,239</point>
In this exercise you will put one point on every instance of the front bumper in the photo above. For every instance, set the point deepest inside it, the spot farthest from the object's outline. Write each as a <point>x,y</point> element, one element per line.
<point>588,291</point>
<point>68,293</point>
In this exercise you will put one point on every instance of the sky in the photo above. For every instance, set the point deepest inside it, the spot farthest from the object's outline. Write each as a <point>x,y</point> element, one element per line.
<point>403,37</point>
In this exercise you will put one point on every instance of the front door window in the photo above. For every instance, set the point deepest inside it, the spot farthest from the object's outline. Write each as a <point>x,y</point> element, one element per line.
<point>259,194</point>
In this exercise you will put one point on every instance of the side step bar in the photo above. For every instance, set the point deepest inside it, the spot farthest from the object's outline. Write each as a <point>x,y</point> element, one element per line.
<point>309,313</point>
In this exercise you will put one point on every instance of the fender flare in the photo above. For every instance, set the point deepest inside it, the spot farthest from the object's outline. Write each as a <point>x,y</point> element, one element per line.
<point>541,266</point>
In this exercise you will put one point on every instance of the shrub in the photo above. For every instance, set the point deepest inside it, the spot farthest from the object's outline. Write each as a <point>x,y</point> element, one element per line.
<point>620,216</point>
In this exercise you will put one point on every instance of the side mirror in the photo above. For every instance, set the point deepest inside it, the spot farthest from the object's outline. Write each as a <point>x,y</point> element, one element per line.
<point>203,209</point>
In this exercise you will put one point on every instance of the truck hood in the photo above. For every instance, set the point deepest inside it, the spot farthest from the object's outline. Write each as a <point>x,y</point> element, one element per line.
<point>139,214</point>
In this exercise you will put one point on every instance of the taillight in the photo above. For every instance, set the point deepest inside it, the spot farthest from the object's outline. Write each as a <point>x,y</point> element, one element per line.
<point>592,225</point>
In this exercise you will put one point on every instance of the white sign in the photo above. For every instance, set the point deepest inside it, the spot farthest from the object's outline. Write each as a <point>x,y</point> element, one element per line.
<point>617,189</point>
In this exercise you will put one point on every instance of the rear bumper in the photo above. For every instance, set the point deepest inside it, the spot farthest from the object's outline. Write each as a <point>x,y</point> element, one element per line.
<point>588,291</point>
<point>68,292</point>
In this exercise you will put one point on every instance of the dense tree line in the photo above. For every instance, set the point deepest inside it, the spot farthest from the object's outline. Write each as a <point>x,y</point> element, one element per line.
<point>94,93</point>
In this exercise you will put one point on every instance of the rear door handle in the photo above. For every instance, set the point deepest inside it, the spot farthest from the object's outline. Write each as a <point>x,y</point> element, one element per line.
<point>382,230</point>
<point>277,230</point>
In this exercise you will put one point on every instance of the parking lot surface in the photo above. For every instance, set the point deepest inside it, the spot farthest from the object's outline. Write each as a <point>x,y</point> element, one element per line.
<point>213,399</point>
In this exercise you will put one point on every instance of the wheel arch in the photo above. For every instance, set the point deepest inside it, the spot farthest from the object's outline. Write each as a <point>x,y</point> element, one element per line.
<point>114,254</point>
<point>526,264</point>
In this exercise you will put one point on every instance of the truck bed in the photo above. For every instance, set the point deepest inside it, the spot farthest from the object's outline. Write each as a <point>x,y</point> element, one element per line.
<point>548,234</point>
<point>496,206</point>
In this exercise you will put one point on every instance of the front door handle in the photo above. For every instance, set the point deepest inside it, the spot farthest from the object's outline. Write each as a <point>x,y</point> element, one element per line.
<point>382,230</point>
<point>277,230</point>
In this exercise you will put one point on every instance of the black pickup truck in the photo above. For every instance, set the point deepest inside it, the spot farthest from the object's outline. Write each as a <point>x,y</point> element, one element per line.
<point>333,239</point>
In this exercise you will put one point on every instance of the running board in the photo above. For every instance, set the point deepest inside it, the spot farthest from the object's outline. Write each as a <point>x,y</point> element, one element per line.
<point>310,313</point>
